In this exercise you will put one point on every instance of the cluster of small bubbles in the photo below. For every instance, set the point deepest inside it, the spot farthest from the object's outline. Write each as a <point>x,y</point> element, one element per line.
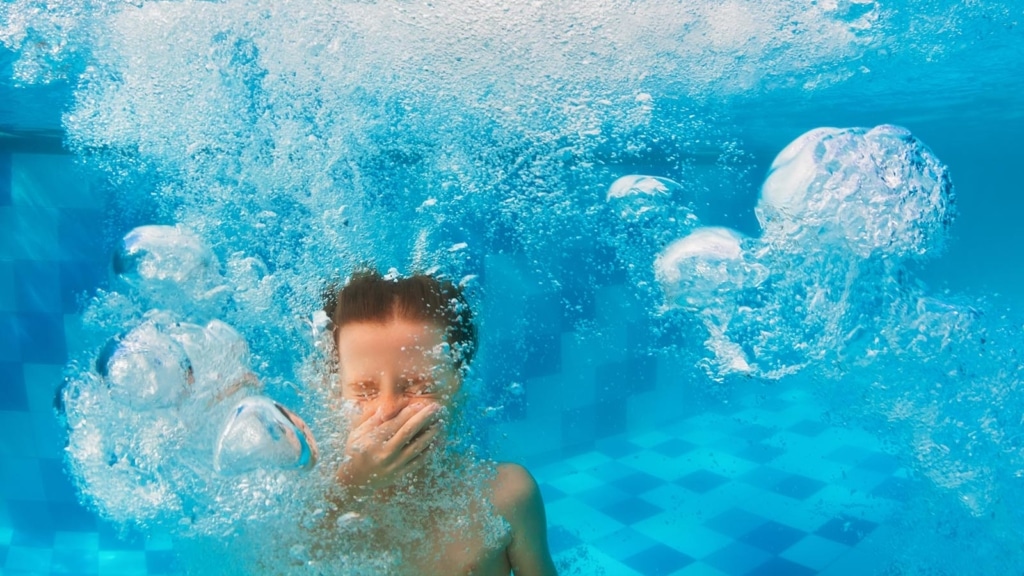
<point>169,417</point>
<point>711,272</point>
<point>168,264</point>
<point>871,192</point>
<point>845,207</point>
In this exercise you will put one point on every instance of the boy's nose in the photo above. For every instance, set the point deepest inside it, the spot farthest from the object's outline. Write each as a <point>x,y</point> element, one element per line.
<point>391,404</point>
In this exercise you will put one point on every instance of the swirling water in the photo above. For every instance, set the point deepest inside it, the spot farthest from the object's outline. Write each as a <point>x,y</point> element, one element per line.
<point>285,142</point>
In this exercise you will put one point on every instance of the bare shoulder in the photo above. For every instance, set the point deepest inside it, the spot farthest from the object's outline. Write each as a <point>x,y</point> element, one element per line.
<point>514,488</point>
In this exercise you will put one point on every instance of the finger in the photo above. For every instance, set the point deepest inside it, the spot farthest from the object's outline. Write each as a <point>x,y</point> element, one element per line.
<point>413,425</point>
<point>412,456</point>
<point>370,422</point>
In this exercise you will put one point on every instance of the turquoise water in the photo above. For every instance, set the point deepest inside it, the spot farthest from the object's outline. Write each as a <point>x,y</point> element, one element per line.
<point>315,136</point>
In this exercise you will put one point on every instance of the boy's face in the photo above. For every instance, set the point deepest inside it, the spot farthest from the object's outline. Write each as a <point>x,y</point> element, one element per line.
<point>391,365</point>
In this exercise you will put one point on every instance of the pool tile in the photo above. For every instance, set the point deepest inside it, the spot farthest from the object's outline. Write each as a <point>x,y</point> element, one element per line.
<point>121,562</point>
<point>83,561</point>
<point>673,447</point>
<point>846,529</point>
<point>631,511</point>
<point>624,543</point>
<point>814,552</point>
<point>658,560</point>
<point>161,562</point>
<point>701,481</point>
<point>773,537</point>
<point>735,522</point>
<point>737,559</point>
<point>809,428</point>
<point>589,523</point>
<point>798,487</point>
<point>781,567</point>
<point>603,496</point>
<point>32,560</point>
<point>12,387</point>
<point>638,483</point>
<point>560,538</point>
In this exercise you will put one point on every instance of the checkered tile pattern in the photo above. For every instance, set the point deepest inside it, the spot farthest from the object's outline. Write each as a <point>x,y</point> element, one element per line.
<point>748,491</point>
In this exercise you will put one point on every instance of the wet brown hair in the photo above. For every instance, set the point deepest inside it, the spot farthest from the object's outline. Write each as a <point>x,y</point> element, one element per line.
<point>370,297</point>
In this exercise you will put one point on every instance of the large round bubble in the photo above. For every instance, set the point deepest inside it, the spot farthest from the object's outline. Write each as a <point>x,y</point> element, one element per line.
<point>699,270</point>
<point>146,368</point>
<point>877,191</point>
<point>166,263</point>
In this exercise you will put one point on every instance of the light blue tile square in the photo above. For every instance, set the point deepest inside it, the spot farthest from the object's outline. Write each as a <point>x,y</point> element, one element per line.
<point>77,540</point>
<point>31,560</point>
<point>580,519</point>
<point>121,563</point>
<point>575,483</point>
<point>591,561</point>
<point>5,535</point>
<point>814,552</point>
<point>683,533</point>
<point>159,542</point>
<point>699,569</point>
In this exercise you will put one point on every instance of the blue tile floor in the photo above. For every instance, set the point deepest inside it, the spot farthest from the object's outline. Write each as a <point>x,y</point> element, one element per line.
<point>764,487</point>
<point>754,488</point>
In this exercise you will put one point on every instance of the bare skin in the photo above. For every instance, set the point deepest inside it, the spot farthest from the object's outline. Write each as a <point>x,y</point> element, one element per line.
<point>402,379</point>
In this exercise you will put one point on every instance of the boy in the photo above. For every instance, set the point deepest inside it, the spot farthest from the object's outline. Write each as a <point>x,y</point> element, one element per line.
<point>402,347</point>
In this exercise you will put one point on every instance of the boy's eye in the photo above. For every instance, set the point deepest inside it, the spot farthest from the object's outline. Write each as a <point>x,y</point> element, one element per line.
<point>360,390</point>
<point>420,388</point>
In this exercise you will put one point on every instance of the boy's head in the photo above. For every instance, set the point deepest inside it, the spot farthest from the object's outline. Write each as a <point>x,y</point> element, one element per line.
<point>400,340</point>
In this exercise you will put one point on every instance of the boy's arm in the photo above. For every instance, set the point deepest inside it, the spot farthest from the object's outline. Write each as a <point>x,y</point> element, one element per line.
<point>517,498</point>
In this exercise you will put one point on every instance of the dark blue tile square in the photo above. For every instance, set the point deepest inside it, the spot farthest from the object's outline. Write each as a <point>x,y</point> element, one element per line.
<point>894,488</point>
<point>560,539</point>
<point>701,481</point>
<point>549,493</point>
<point>845,529</point>
<point>29,515</point>
<point>617,447</point>
<point>12,387</point>
<point>760,453</point>
<point>3,554</point>
<point>5,181</point>
<point>848,454</point>
<point>77,279</point>
<point>42,338</point>
<point>880,462</point>
<point>32,538</point>
<point>781,567</point>
<point>610,415</point>
<point>74,561</point>
<point>10,340</point>
<point>56,482</point>
<point>773,537</point>
<point>809,428</point>
<point>658,560</point>
<point>37,286</point>
<point>631,510</point>
<point>674,447</point>
<point>638,483</point>
<point>544,354</point>
<point>735,522</point>
<point>579,426</point>
<point>797,486</point>
<point>77,237</point>
<point>72,517</point>
<point>543,313</point>
<point>162,562</point>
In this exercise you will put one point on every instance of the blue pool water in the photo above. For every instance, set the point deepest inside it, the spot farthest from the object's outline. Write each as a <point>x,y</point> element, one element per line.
<point>879,433</point>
